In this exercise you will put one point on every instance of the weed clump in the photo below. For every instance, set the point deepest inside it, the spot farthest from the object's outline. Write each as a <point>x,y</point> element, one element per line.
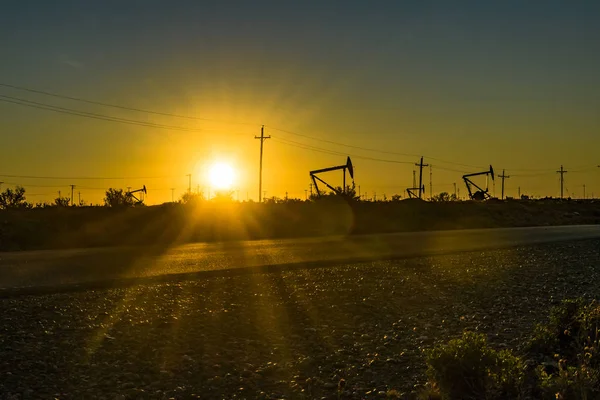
<point>467,368</point>
<point>562,361</point>
<point>567,350</point>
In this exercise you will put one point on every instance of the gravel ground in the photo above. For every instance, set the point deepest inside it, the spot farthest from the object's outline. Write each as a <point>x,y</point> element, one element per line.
<point>290,335</point>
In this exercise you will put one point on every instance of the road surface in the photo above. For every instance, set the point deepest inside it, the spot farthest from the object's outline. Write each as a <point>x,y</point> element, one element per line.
<point>88,267</point>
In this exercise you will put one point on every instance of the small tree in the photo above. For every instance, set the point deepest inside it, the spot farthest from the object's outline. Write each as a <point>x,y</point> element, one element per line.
<point>62,201</point>
<point>118,198</point>
<point>13,198</point>
<point>349,193</point>
<point>191,198</point>
<point>441,197</point>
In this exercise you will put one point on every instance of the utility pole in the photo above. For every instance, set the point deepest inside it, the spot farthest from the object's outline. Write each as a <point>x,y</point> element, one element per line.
<point>189,183</point>
<point>455,195</point>
<point>430,181</point>
<point>72,188</point>
<point>503,176</point>
<point>262,138</point>
<point>519,192</point>
<point>359,192</point>
<point>305,194</point>
<point>421,165</point>
<point>172,195</point>
<point>562,172</point>
<point>310,187</point>
<point>79,198</point>
<point>264,194</point>
<point>375,196</point>
<point>286,196</point>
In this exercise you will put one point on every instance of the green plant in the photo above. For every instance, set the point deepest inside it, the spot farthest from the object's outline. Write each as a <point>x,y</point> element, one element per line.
<point>574,326</point>
<point>468,368</point>
<point>572,337</point>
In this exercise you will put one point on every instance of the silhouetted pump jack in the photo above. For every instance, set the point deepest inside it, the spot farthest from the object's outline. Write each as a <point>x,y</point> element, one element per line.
<point>347,167</point>
<point>141,199</point>
<point>413,193</point>
<point>479,194</point>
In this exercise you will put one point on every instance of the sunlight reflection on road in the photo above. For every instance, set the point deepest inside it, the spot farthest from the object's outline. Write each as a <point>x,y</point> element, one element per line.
<point>72,266</point>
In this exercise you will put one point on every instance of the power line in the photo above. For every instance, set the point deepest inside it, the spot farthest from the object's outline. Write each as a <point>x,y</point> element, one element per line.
<point>533,175</point>
<point>367,148</point>
<point>85,114</point>
<point>97,178</point>
<point>334,152</point>
<point>542,171</point>
<point>118,106</point>
<point>109,118</point>
<point>308,147</point>
<point>319,149</point>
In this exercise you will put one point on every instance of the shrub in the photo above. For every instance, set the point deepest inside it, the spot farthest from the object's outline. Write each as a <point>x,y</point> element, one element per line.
<point>580,382</point>
<point>468,368</point>
<point>573,327</point>
<point>572,338</point>
<point>62,201</point>
<point>13,199</point>
<point>191,198</point>
<point>118,198</point>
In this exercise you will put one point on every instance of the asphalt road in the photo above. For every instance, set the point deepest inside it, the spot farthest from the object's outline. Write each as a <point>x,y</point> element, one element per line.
<point>36,270</point>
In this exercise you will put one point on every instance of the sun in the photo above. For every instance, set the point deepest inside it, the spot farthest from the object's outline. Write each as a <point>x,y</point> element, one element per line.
<point>221,176</point>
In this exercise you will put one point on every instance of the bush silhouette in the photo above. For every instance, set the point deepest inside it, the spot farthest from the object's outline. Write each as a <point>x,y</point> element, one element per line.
<point>11,199</point>
<point>118,198</point>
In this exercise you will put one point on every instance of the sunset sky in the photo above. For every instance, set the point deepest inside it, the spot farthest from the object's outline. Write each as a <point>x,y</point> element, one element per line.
<point>505,83</point>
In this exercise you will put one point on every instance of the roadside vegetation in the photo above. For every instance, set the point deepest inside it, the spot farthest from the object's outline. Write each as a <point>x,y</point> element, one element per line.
<point>561,361</point>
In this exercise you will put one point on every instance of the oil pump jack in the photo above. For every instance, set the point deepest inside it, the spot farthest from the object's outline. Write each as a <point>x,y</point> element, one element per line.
<point>479,194</point>
<point>413,193</point>
<point>347,167</point>
<point>139,200</point>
